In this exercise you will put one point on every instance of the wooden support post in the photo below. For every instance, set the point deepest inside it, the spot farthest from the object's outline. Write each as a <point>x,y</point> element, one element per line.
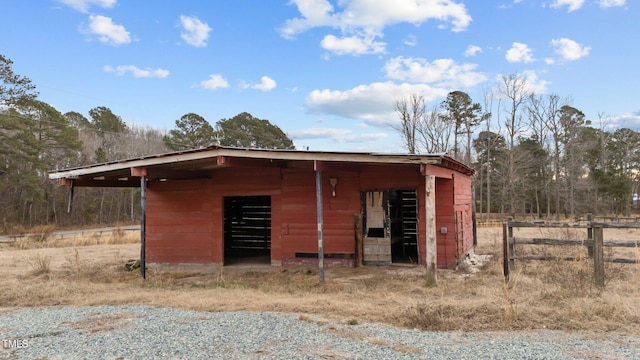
<point>598,256</point>
<point>589,235</point>
<point>320,225</point>
<point>431,248</point>
<point>357,219</point>
<point>505,253</point>
<point>71,190</point>
<point>143,225</point>
<point>512,244</point>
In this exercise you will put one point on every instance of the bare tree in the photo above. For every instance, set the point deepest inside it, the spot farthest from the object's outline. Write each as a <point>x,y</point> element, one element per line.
<point>484,167</point>
<point>435,132</point>
<point>545,125</point>
<point>514,88</point>
<point>411,113</point>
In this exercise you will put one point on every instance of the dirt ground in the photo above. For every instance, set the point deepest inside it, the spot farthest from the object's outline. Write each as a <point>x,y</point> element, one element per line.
<point>541,295</point>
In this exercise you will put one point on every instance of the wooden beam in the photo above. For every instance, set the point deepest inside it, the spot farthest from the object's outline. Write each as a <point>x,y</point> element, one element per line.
<point>320,224</point>
<point>65,182</point>
<point>139,171</point>
<point>431,248</point>
<point>155,174</point>
<point>437,171</point>
<point>574,242</point>
<point>130,182</point>
<point>143,226</point>
<point>228,161</point>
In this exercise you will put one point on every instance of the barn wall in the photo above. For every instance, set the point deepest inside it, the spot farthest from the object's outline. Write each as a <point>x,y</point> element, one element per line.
<point>179,222</point>
<point>299,216</point>
<point>245,181</point>
<point>445,218</point>
<point>453,193</point>
<point>464,203</point>
<point>185,217</point>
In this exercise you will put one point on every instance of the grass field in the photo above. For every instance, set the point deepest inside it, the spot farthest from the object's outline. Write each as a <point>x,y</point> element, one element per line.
<point>551,295</point>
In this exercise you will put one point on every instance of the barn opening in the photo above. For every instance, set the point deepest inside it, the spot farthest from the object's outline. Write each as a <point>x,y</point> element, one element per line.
<point>390,223</point>
<point>247,229</point>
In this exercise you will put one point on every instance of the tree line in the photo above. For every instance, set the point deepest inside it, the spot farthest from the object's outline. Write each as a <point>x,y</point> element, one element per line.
<point>36,138</point>
<point>534,155</point>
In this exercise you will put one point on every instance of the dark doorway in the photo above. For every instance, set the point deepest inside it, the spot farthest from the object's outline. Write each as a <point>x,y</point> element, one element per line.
<point>403,206</point>
<point>247,229</point>
<point>390,224</point>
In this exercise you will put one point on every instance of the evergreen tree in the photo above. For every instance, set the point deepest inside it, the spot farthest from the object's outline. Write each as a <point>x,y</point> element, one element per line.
<point>192,131</point>
<point>244,130</point>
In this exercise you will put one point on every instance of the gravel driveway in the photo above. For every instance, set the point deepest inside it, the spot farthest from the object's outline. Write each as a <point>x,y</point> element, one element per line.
<point>137,332</point>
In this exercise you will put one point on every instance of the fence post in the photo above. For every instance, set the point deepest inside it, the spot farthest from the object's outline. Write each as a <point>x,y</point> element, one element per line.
<point>598,257</point>
<point>590,236</point>
<point>512,244</point>
<point>505,253</point>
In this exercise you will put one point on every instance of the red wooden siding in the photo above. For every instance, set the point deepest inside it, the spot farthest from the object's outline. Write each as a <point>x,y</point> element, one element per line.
<point>464,204</point>
<point>185,217</point>
<point>179,222</point>
<point>445,218</point>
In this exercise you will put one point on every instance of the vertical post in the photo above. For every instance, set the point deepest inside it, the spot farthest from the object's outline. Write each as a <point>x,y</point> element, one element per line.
<point>70,205</point>
<point>143,225</point>
<point>431,247</point>
<point>320,225</point>
<point>598,257</point>
<point>590,236</point>
<point>473,215</point>
<point>505,253</point>
<point>358,230</point>
<point>511,243</point>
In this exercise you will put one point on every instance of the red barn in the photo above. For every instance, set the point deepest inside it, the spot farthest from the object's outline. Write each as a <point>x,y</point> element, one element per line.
<point>222,205</point>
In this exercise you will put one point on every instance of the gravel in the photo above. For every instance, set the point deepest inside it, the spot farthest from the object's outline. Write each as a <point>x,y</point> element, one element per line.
<point>136,332</point>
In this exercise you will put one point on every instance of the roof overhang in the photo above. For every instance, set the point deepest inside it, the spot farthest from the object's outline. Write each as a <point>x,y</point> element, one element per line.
<point>200,163</point>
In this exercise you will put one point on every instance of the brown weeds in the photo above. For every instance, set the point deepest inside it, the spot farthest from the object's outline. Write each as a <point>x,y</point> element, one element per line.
<point>552,295</point>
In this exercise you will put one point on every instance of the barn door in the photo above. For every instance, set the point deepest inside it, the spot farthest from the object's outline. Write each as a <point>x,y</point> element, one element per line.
<point>376,240</point>
<point>247,228</point>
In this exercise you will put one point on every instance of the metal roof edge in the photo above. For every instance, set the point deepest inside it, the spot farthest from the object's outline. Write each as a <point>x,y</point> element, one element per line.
<point>279,154</point>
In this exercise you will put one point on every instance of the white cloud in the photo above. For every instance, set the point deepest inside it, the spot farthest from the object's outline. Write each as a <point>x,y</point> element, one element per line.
<point>137,72</point>
<point>195,32</point>
<point>266,84</point>
<point>315,13</point>
<point>353,45</point>
<point>363,21</point>
<point>571,4</point>
<point>107,31</point>
<point>533,83</point>
<point>569,49</point>
<point>84,5</point>
<point>472,50</point>
<point>441,72</point>
<point>335,135</point>
<point>372,103</point>
<point>519,52</point>
<point>410,40</point>
<point>215,81</point>
<point>611,3</point>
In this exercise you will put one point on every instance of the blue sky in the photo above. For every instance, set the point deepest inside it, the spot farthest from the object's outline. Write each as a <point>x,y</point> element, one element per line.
<point>326,72</point>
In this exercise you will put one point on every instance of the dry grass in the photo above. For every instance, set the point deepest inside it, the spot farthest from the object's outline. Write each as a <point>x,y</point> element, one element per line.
<point>44,237</point>
<point>551,295</point>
